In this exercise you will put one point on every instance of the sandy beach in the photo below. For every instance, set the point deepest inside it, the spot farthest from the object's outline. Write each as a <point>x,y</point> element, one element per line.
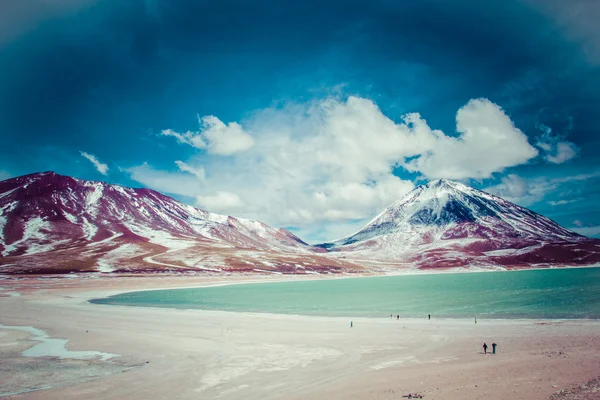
<point>191,354</point>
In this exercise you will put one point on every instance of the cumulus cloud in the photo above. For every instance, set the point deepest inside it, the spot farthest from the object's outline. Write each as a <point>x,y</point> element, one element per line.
<point>102,168</point>
<point>488,142</point>
<point>332,160</point>
<point>556,149</point>
<point>215,136</point>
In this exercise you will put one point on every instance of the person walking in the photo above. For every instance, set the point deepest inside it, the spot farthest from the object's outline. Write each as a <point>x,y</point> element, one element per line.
<point>494,348</point>
<point>485,348</point>
<point>350,324</point>
<point>429,316</point>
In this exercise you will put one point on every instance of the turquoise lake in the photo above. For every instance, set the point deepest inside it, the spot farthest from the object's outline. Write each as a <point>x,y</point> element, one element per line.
<point>553,293</point>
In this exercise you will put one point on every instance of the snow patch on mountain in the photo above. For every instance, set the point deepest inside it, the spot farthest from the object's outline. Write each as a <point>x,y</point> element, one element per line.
<point>32,235</point>
<point>89,229</point>
<point>93,197</point>
<point>112,260</point>
<point>108,239</point>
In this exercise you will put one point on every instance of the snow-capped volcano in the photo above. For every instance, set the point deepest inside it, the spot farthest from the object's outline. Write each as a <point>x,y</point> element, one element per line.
<point>56,224</point>
<point>446,223</point>
<point>49,221</point>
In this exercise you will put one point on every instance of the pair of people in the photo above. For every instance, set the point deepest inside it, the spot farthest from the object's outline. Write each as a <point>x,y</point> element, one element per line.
<point>485,347</point>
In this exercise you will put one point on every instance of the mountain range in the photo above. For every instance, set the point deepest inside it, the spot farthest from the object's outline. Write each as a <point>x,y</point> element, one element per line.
<point>52,224</point>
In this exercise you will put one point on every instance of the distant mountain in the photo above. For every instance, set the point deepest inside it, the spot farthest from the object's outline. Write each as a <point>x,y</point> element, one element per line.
<point>53,223</point>
<point>57,224</point>
<point>447,224</point>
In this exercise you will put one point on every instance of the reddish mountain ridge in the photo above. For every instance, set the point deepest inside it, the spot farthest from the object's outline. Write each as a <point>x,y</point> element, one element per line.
<point>57,224</point>
<point>54,223</point>
<point>446,224</point>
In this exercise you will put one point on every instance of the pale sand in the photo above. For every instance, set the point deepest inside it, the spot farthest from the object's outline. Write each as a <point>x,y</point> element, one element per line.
<point>206,354</point>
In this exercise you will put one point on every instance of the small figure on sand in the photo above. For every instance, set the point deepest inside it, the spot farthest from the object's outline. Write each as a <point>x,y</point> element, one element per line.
<point>475,320</point>
<point>429,316</point>
<point>391,316</point>
<point>398,317</point>
<point>485,348</point>
<point>350,324</point>
<point>494,348</point>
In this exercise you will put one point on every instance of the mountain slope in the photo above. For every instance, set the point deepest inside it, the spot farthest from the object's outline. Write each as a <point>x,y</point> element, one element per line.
<point>57,224</point>
<point>50,222</point>
<point>448,224</point>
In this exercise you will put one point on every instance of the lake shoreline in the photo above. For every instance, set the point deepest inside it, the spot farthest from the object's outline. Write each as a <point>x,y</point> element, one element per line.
<point>501,296</point>
<point>216,354</point>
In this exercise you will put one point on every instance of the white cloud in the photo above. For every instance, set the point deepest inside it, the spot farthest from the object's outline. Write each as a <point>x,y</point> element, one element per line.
<point>564,152</point>
<point>102,168</point>
<point>563,202</point>
<point>216,137</point>
<point>590,231</point>
<point>166,182</point>
<point>198,172</point>
<point>523,191</point>
<point>224,139</point>
<point>527,191</point>
<point>220,202</point>
<point>192,138</point>
<point>489,142</point>
<point>328,161</point>
<point>556,149</point>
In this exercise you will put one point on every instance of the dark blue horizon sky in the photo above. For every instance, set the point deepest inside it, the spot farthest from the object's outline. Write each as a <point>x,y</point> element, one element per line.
<point>294,114</point>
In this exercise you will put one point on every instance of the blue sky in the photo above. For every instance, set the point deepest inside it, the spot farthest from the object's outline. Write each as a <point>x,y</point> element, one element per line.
<point>311,116</point>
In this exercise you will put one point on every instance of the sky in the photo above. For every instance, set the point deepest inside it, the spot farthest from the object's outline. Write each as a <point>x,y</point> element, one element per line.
<point>313,115</point>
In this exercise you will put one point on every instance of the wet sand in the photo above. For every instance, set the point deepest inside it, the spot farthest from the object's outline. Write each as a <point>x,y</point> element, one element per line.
<point>191,354</point>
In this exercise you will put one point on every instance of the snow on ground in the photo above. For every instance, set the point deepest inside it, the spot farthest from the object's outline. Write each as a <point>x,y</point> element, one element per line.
<point>42,248</point>
<point>89,230</point>
<point>93,197</point>
<point>70,217</point>
<point>32,232</point>
<point>268,271</point>
<point>150,259</point>
<point>3,220</point>
<point>8,192</point>
<point>161,238</point>
<point>9,207</point>
<point>110,261</point>
<point>269,264</point>
<point>513,252</point>
<point>108,239</point>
